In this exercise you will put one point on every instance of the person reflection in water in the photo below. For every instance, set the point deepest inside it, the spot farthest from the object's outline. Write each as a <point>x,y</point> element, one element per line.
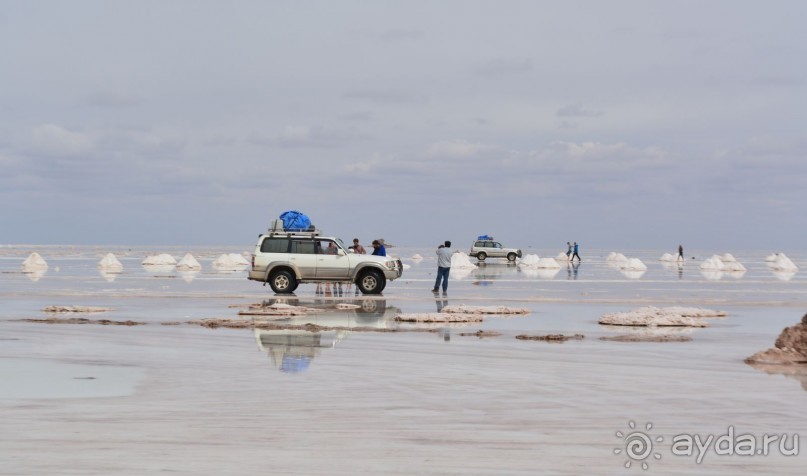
<point>571,270</point>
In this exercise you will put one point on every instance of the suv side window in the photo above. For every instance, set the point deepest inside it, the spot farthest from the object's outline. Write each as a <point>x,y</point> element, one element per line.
<point>305,247</point>
<point>497,245</point>
<point>275,245</point>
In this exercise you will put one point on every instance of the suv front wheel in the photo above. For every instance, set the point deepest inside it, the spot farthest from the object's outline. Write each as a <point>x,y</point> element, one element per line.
<point>282,282</point>
<point>371,282</point>
<point>511,256</point>
<point>481,256</point>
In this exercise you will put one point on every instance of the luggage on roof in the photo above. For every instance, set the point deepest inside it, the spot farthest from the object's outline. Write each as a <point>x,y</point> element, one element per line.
<point>296,221</point>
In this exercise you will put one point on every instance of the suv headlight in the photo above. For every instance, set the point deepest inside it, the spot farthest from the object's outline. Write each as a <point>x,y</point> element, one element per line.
<point>390,264</point>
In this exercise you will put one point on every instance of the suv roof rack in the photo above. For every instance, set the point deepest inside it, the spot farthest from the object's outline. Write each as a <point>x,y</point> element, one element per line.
<point>290,233</point>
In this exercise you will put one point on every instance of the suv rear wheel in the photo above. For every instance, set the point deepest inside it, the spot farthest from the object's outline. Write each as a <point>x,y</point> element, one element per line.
<point>282,282</point>
<point>481,256</point>
<point>371,282</point>
<point>511,256</point>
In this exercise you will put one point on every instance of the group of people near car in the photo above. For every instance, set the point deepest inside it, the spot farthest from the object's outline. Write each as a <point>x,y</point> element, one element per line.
<point>378,248</point>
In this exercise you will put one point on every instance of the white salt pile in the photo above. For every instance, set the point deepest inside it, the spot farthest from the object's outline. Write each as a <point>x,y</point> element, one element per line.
<point>406,266</point>
<point>633,264</point>
<point>34,262</point>
<point>614,257</point>
<point>733,267</point>
<point>660,317</point>
<point>562,256</point>
<point>231,261</point>
<point>547,263</point>
<point>465,309</point>
<point>712,264</point>
<point>529,260</point>
<point>534,262</point>
<point>188,263</point>
<point>440,317</point>
<point>110,264</point>
<point>725,263</point>
<point>783,263</point>
<point>159,260</point>
<point>772,257</point>
<point>668,257</point>
<point>416,257</point>
<point>461,261</point>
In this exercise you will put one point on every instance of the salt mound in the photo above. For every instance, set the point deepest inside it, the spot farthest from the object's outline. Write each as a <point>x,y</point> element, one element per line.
<point>465,309</point>
<point>729,258</point>
<point>34,262</point>
<point>189,263</point>
<point>416,257</point>
<point>634,264</point>
<point>783,263</point>
<point>616,257</point>
<point>230,261</point>
<point>547,263</point>
<point>110,264</point>
<point>159,260</point>
<point>462,261</point>
<point>657,317</point>
<point>406,266</point>
<point>442,317</point>
<point>668,257</point>
<point>529,260</point>
<point>562,256</point>
<point>734,266</point>
<point>713,263</point>
<point>772,257</point>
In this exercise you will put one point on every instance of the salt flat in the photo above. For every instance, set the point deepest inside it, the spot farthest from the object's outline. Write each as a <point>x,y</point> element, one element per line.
<point>95,399</point>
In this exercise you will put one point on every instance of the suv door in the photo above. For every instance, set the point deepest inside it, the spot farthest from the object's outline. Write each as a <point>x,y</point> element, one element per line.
<point>303,256</point>
<point>331,264</point>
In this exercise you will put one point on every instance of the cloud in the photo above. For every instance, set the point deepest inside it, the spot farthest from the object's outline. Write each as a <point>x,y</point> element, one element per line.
<point>358,116</point>
<point>504,67</point>
<point>111,100</point>
<point>304,136</point>
<point>577,110</point>
<point>387,97</point>
<point>596,157</point>
<point>55,140</point>
<point>457,149</point>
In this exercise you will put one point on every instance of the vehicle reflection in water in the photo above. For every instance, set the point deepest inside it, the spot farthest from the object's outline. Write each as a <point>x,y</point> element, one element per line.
<point>292,350</point>
<point>487,273</point>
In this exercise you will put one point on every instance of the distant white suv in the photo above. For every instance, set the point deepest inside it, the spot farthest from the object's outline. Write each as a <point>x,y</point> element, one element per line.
<point>285,259</point>
<point>487,248</point>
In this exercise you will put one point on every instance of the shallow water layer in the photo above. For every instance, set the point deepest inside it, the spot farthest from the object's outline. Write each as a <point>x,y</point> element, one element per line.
<point>94,399</point>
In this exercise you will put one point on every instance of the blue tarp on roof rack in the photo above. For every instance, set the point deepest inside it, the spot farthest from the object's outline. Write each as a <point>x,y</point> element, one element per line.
<point>484,237</point>
<point>295,221</point>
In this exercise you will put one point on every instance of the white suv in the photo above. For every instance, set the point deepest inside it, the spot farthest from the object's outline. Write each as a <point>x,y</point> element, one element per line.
<point>285,259</point>
<point>487,248</point>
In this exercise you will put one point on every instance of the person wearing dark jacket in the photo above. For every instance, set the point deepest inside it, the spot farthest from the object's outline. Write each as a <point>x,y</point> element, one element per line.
<point>378,248</point>
<point>575,252</point>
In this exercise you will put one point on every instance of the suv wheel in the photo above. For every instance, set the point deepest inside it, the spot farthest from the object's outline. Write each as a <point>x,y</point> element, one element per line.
<point>282,282</point>
<point>511,256</point>
<point>371,282</point>
<point>481,256</point>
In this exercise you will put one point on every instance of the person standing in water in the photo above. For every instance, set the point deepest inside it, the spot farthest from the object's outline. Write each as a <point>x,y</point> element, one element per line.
<point>576,248</point>
<point>680,253</point>
<point>443,266</point>
<point>568,251</point>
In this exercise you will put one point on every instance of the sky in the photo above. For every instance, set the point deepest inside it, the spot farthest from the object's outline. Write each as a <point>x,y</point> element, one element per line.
<point>621,125</point>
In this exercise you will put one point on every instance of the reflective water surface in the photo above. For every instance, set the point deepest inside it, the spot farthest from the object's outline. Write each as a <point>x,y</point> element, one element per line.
<point>352,391</point>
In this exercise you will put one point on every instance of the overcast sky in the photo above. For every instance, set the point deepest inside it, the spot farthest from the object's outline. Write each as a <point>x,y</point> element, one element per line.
<point>620,124</point>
